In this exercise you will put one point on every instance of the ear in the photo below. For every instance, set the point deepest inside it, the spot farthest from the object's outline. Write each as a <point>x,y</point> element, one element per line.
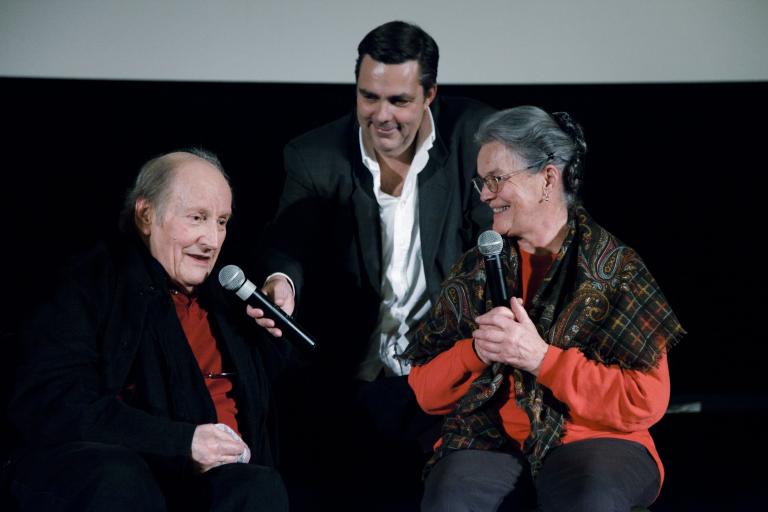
<point>552,177</point>
<point>144,214</point>
<point>430,97</point>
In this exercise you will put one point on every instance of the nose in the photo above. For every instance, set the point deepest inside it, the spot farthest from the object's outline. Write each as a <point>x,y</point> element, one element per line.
<point>212,235</point>
<point>485,193</point>
<point>382,112</point>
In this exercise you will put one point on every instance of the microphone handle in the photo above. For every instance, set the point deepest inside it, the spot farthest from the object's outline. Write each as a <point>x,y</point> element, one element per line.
<point>494,276</point>
<point>286,323</point>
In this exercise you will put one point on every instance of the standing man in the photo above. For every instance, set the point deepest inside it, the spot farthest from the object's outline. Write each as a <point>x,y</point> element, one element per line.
<point>376,208</point>
<point>140,388</point>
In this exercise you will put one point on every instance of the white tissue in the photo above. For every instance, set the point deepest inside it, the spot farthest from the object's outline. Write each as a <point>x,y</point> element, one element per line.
<point>246,455</point>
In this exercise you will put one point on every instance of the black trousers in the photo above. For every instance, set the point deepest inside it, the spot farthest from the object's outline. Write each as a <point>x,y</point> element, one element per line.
<point>83,476</point>
<point>349,445</point>
<point>595,475</point>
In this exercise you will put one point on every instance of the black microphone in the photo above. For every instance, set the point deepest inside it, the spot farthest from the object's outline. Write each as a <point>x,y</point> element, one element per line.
<point>490,245</point>
<point>233,279</point>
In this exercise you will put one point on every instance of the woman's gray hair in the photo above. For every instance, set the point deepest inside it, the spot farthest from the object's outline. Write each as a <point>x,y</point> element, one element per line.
<point>537,138</point>
<point>154,183</point>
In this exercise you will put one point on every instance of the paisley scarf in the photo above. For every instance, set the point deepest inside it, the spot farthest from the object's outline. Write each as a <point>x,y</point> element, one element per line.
<point>597,296</point>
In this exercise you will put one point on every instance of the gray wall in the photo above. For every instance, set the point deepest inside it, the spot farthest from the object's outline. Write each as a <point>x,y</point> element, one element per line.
<point>482,42</point>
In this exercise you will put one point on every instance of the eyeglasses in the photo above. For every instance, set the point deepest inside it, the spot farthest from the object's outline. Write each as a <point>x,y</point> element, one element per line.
<point>494,182</point>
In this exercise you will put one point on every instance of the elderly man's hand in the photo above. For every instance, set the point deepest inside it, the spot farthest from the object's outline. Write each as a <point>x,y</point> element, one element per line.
<point>507,335</point>
<point>279,290</point>
<point>212,447</point>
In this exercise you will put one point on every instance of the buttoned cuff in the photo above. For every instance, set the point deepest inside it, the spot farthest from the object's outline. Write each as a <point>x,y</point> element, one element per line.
<point>280,274</point>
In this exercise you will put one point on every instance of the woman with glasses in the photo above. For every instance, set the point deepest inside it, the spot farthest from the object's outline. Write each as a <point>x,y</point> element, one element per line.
<point>548,400</point>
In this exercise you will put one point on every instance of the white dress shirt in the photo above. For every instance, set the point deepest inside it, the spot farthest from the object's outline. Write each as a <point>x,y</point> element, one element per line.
<point>403,284</point>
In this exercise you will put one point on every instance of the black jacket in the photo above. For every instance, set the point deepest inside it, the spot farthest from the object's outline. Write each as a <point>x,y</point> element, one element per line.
<point>106,360</point>
<point>327,233</point>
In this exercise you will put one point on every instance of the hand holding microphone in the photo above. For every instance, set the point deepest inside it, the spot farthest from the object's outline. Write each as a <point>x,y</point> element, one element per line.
<point>233,279</point>
<point>490,245</point>
<point>505,335</point>
<point>279,290</point>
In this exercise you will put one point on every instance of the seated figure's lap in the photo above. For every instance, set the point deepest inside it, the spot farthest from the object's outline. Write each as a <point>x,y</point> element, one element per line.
<point>478,480</point>
<point>95,476</point>
<point>594,475</point>
<point>83,475</point>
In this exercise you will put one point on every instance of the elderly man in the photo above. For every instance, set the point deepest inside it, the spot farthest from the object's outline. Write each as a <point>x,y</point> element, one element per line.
<point>138,390</point>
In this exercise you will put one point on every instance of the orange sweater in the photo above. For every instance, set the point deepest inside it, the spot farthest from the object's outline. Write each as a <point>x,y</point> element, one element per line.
<point>604,401</point>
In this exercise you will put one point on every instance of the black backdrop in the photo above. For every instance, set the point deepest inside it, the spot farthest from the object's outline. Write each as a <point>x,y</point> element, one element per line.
<point>675,170</point>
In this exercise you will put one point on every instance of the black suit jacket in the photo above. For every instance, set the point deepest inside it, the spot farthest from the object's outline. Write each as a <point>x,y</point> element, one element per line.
<point>106,360</point>
<point>326,235</point>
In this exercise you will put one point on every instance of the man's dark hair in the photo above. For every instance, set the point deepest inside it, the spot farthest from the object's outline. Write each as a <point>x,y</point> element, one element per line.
<point>397,42</point>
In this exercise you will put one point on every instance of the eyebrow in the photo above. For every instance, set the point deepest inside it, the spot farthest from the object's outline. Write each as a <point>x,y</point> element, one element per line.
<point>401,97</point>
<point>395,97</point>
<point>207,211</point>
<point>365,92</point>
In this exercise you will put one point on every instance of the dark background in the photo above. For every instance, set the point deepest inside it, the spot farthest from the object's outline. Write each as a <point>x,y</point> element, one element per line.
<point>675,170</point>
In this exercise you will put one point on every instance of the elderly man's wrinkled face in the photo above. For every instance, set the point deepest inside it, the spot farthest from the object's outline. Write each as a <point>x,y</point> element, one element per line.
<point>185,236</point>
<point>391,105</point>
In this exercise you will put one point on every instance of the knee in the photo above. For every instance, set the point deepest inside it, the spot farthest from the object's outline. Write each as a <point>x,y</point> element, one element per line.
<point>476,480</point>
<point>590,492</point>
<point>84,476</point>
<point>596,475</point>
<point>451,492</point>
<point>114,463</point>
<point>267,488</point>
<point>120,475</point>
<point>441,495</point>
<point>247,487</point>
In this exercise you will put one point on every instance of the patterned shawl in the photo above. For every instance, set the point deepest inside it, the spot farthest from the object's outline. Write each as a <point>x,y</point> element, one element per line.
<point>597,296</point>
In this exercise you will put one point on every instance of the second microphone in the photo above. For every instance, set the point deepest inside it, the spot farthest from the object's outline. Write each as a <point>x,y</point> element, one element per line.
<point>232,278</point>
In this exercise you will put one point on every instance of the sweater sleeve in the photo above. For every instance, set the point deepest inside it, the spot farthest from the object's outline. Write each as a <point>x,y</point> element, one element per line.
<point>441,382</point>
<point>606,397</point>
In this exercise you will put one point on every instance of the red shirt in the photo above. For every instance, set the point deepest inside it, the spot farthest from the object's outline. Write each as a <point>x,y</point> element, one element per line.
<point>194,322</point>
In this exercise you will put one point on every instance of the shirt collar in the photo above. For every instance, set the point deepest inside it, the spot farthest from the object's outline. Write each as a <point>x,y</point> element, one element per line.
<point>425,142</point>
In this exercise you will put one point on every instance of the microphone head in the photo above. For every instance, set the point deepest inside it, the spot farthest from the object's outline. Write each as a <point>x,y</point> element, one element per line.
<point>490,243</point>
<point>231,277</point>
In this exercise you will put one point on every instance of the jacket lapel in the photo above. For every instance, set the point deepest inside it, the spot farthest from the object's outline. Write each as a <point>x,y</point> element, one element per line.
<point>434,198</point>
<point>136,285</point>
<point>248,389</point>
<point>366,214</point>
<point>251,389</point>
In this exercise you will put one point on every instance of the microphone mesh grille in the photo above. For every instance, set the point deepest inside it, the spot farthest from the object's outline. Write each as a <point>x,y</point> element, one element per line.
<point>490,243</point>
<point>231,277</point>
